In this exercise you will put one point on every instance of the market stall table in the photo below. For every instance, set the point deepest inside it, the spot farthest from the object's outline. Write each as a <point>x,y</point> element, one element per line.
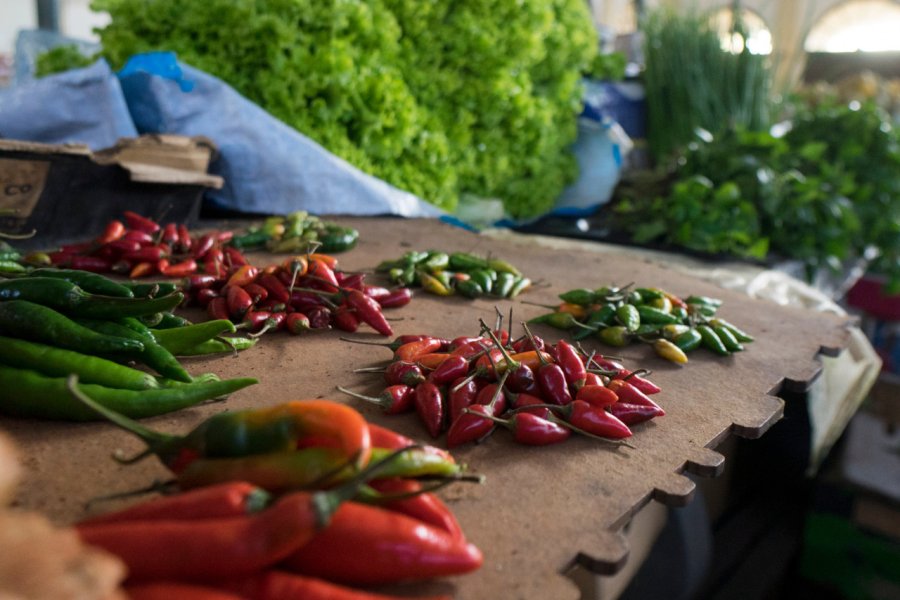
<point>541,509</point>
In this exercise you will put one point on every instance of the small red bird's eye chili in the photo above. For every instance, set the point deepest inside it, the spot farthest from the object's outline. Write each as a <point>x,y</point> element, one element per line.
<point>632,414</point>
<point>94,264</point>
<point>395,399</point>
<point>238,301</point>
<point>593,379</point>
<point>345,319</point>
<point>430,406</point>
<point>322,273</point>
<point>593,420</point>
<point>140,222</point>
<point>243,275</point>
<point>169,234</point>
<point>204,244</point>
<point>462,394</point>
<point>114,231</point>
<point>452,368</point>
<point>369,312</point>
<point>404,373</point>
<point>204,296</point>
<point>233,257</point>
<point>411,351</point>
<point>297,323</point>
<point>180,269</point>
<point>141,237</point>
<point>353,281</point>
<point>257,292</point>
<point>528,403</point>
<point>570,362</point>
<point>629,393</point>
<point>635,379</point>
<point>123,246</point>
<point>553,384</point>
<point>532,430</point>
<point>522,380</point>
<point>430,362</point>
<point>472,424</point>
<point>597,395</point>
<point>184,240</point>
<point>396,298</point>
<point>276,289</point>
<point>218,308</point>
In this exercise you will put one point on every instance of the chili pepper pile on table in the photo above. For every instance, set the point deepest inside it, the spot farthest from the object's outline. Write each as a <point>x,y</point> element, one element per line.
<point>541,392</point>
<point>303,292</point>
<point>297,232</point>
<point>673,325</point>
<point>54,322</point>
<point>241,523</point>
<point>460,273</point>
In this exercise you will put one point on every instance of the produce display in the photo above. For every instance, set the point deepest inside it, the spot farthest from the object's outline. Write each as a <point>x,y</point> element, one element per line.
<point>466,386</point>
<point>463,273</point>
<point>55,322</point>
<point>306,493</point>
<point>367,82</point>
<point>672,325</point>
<point>297,232</point>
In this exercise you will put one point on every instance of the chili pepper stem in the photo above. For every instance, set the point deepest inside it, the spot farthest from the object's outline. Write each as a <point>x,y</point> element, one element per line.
<point>367,342</point>
<point>511,365</point>
<point>534,344</point>
<point>163,487</point>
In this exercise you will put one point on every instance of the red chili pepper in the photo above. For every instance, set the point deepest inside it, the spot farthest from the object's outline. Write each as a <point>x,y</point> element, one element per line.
<point>399,372</point>
<point>474,423</point>
<point>369,312</point>
<point>277,585</point>
<point>218,308</point>
<point>184,239</point>
<point>571,363</point>
<point>466,340</point>
<point>594,420</point>
<point>169,234</point>
<point>209,548</point>
<point>204,296</point>
<point>462,394</point>
<point>257,292</point>
<point>395,399</point>
<point>353,281</point>
<point>141,237</point>
<point>297,323</point>
<point>167,590</point>
<point>453,367</point>
<point>367,545</point>
<point>239,301</point>
<point>139,222</point>
<point>180,269</point>
<point>204,244</point>
<point>345,319</point>
<point>146,254</point>
<point>303,301</point>
<point>397,298</point>
<point>256,320</point>
<point>274,286</point>
<point>79,248</point>
<point>225,236</point>
<point>90,263</point>
<point>553,384</point>
<point>60,258</point>
<point>221,500</point>
<point>593,379</point>
<point>323,274</point>
<point>644,385</point>
<point>213,263</point>
<point>422,506</point>
<point>632,414</point>
<point>628,393</point>
<point>375,291</point>
<point>411,351</point>
<point>123,246</point>
<point>523,344</point>
<point>532,430</point>
<point>114,231</point>
<point>430,406</point>
<point>522,380</point>
<point>243,275</point>
<point>234,257</point>
<point>597,395</point>
<point>520,403</point>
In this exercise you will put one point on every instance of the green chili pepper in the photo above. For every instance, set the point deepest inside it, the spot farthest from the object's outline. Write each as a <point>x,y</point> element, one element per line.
<point>688,340</point>
<point>634,297</point>
<point>338,239</point>
<point>389,266</point>
<point>463,261</point>
<point>251,239</point>
<point>680,312</point>
<point>650,314</point>
<point>413,258</point>
<point>219,345</point>
<point>704,310</point>
<point>469,288</point>
<point>181,339</point>
<point>601,317</point>
<point>628,316</point>
<point>11,267</point>
<point>151,289</point>
<point>484,278</point>
<point>647,329</point>
<point>728,339</point>
<point>581,297</point>
<point>169,320</point>
<point>67,297</point>
<point>739,335</point>
<point>704,300</point>
<point>38,396</point>
<point>152,354</point>
<point>38,323</point>
<point>437,261</point>
<point>557,320</point>
<point>504,284</point>
<point>520,285</point>
<point>648,294</point>
<point>672,331</point>
<point>712,341</point>
<point>502,266</point>
<point>617,335</point>
<point>396,273</point>
<point>59,362</point>
<point>407,276</point>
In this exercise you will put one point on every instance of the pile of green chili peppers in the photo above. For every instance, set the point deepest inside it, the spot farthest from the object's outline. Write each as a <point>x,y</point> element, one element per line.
<point>121,340</point>
<point>446,274</point>
<point>674,326</point>
<point>297,232</point>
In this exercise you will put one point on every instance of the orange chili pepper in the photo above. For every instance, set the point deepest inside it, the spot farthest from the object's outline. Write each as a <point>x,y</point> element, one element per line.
<point>576,310</point>
<point>433,360</point>
<point>329,260</point>
<point>411,351</point>
<point>243,275</point>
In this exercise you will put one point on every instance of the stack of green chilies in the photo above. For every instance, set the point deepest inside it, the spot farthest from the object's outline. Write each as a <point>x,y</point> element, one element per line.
<point>57,322</point>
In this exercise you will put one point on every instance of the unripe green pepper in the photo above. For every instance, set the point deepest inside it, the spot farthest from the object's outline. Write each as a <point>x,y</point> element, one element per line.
<point>616,335</point>
<point>581,297</point>
<point>629,317</point>
<point>728,339</point>
<point>688,340</point>
<point>650,314</point>
<point>739,335</point>
<point>712,341</point>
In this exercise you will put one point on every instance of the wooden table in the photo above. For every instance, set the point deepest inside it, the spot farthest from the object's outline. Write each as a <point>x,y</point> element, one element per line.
<point>540,510</point>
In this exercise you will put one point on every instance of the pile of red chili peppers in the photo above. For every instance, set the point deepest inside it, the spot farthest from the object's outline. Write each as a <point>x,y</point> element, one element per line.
<point>542,392</point>
<point>241,528</point>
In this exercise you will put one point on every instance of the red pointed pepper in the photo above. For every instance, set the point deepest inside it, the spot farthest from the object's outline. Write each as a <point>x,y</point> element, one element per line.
<point>369,312</point>
<point>430,406</point>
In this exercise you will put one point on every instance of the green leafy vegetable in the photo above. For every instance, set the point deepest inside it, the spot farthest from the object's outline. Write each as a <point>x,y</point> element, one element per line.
<point>441,99</point>
<point>59,59</point>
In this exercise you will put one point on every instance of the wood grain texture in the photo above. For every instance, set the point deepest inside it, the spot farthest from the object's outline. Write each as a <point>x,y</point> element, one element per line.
<point>540,510</point>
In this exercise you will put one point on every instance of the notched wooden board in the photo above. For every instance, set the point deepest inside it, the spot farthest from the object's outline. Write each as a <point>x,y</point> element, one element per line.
<point>540,510</point>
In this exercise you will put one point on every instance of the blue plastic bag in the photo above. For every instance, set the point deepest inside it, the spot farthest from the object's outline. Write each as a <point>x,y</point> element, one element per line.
<point>268,166</point>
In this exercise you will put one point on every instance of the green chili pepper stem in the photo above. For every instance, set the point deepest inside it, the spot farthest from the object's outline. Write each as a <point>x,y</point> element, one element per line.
<point>59,362</point>
<point>153,354</point>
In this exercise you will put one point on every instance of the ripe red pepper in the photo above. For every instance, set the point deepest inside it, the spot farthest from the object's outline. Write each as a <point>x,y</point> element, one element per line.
<point>169,234</point>
<point>521,401</point>
<point>141,237</point>
<point>345,319</point>
<point>642,384</point>
<point>204,244</point>
<point>629,393</point>
<point>94,264</point>
<point>353,281</point>
<point>411,351</point>
<point>570,361</point>
<point>142,269</point>
<point>114,230</point>
<point>123,246</point>
<point>430,406</point>
<point>184,240</point>
<point>180,269</point>
<point>594,420</point>
<point>632,414</point>
<point>320,272</point>
<point>423,506</point>
<point>375,291</point>
<point>297,323</point>
<point>369,312</point>
<point>523,380</point>
<point>597,395</point>
<point>475,422</point>
<point>166,590</point>
<point>140,223</point>
<point>367,545</point>
<point>453,367</point>
<point>150,254</point>
<point>553,384</point>
<point>239,301</point>
<point>319,317</point>
<point>233,257</point>
<point>273,285</point>
<point>396,298</point>
<point>204,296</point>
<point>257,292</point>
<point>533,430</point>
<point>463,392</point>
<point>395,399</point>
<point>405,373</point>
<point>243,275</point>
<point>218,308</point>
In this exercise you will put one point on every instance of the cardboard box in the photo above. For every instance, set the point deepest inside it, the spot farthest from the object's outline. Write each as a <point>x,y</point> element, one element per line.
<point>65,192</point>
